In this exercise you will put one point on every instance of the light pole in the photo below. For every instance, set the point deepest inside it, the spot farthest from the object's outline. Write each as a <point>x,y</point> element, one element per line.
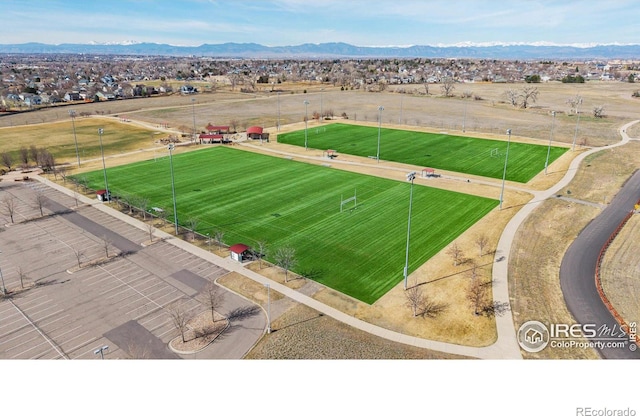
<point>209,240</point>
<point>268,308</point>
<point>575,133</point>
<point>321,114</point>
<point>193,108</point>
<point>410,177</point>
<point>72,114</point>
<point>379,128</point>
<point>464,118</point>
<point>4,288</point>
<point>278,126</point>
<point>306,118</point>
<point>546,163</point>
<point>101,351</point>
<point>173,188</point>
<point>104,167</point>
<point>504,172</point>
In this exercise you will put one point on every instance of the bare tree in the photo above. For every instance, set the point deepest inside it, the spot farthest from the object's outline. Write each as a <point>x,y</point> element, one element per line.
<point>455,252</point>
<point>598,111</point>
<point>415,299</point>
<point>477,290</point>
<point>447,87</point>
<point>192,223</point>
<point>180,318</point>
<point>143,203</point>
<point>106,244</point>
<point>79,253</point>
<point>261,251</point>
<point>39,199</point>
<point>22,275</point>
<point>7,159</point>
<point>33,154</point>
<point>218,235</point>
<point>481,241</point>
<point>574,103</point>
<point>285,258</point>
<point>162,216</point>
<point>151,229</point>
<point>138,351</point>
<point>513,96</point>
<point>213,297</point>
<point>64,172</point>
<point>9,206</point>
<point>24,157</point>
<point>528,94</point>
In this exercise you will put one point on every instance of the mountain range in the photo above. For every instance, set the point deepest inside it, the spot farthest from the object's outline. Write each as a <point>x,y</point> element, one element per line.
<point>336,50</point>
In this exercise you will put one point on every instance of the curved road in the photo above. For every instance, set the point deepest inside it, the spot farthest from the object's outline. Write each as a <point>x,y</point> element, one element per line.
<point>506,345</point>
<point>578,268</point>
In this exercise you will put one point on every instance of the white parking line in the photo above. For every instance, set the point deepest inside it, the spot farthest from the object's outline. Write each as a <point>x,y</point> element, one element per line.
<point>37,329</point>
<point>19,335</point>
<point>77,347</point>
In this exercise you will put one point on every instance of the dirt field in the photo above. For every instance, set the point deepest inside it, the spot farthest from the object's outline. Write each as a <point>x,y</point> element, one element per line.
<point>620,272</point>
<point>541,241</point>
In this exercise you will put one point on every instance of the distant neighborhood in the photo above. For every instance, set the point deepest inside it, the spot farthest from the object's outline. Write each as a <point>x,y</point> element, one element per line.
<point>31,81</point>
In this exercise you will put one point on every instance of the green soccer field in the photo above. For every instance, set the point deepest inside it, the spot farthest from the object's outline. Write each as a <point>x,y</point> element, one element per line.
<point>474,156</point>
<point>253,197</point>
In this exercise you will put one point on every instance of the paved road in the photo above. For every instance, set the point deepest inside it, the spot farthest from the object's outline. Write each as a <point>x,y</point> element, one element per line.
<point>505,347</point>
<point>577,271</point>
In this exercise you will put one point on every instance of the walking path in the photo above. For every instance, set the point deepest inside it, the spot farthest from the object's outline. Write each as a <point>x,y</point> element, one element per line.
<point>506,346</point>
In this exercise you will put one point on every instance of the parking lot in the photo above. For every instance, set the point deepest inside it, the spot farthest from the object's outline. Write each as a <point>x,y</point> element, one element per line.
<point>122,301</point>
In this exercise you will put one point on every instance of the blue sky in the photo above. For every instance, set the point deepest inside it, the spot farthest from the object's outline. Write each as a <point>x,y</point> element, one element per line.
<point>292,22</point>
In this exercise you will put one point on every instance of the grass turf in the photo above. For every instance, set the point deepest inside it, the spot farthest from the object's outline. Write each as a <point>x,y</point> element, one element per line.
<point>253,197</point>
<point>441,151</point>
<point>58,139</point>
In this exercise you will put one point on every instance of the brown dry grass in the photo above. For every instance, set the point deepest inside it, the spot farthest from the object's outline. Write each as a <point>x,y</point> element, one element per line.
<point>540,242</point>
<point>535,263</point>
<point>602,174</point>
<point>620,272</point>
<point>201,332</point>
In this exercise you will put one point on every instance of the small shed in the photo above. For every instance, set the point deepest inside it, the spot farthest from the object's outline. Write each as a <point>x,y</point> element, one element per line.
<point>428,172</point>
<point>103,195</point>
<point>256,133</point>
<point>218,129</point>
<point>239,252</point>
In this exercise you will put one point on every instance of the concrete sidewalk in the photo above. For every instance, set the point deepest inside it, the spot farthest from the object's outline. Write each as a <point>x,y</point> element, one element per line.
<point>506,347</point>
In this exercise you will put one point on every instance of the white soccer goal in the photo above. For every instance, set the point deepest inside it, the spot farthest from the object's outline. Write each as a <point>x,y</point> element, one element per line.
<point>353,199</point>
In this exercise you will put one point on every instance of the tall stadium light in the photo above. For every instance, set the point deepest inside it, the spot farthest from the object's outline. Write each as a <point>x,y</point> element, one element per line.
<point>104,166</point>
<point>379,128</point>
<point>321,114</point>
<point>306,120</point>
<point>575,133</point>
<point>504,172</point>
<point>410,177</point>
<point>173,187</point>
<point>278,125</point>
<point>546,163</point>
<point>193,110</point>
<point>72,114</point>
<point>101,351</point>
<point>464,118</point>
<point>268,308</point>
